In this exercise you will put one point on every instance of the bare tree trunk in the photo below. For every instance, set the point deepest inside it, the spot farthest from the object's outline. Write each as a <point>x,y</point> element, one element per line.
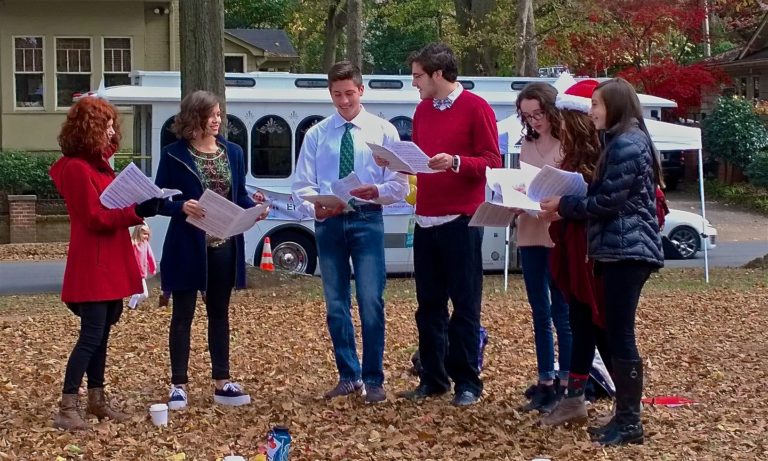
<point>334,23</point>
<point>355,32</point>
<point>480,57</point>
<point>201,37</point>
<point>527,48</point>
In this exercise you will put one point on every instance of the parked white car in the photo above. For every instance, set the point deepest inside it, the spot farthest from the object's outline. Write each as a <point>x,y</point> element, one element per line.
<point>686,232</point>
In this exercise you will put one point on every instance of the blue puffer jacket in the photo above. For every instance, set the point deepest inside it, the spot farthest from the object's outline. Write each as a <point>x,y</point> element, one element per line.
<point>620,205</point>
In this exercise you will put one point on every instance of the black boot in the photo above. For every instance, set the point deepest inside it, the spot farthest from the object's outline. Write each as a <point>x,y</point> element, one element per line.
<point>627,427</point>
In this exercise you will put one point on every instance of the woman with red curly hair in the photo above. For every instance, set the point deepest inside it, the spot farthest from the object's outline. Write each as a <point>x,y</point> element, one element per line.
<point>101,268</point>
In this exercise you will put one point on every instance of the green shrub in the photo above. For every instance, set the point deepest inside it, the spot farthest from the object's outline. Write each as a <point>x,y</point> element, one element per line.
<point>733,132</point>
<point>27,173</point>
<point>757,171</point>
<point>747,195</point>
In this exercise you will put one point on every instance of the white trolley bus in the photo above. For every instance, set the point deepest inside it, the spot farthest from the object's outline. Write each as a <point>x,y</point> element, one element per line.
<point>268,114</point>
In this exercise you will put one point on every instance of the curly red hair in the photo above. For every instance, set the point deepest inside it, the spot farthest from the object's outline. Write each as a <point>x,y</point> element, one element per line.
<point>83,134</point>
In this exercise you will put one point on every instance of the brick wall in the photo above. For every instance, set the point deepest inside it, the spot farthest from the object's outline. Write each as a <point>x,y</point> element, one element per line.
<point>23,217</point>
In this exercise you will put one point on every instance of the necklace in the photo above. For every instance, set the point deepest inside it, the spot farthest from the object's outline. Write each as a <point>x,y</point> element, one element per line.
<point>546,151</point>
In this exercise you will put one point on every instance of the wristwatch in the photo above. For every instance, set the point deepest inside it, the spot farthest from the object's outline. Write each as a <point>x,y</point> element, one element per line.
<point>455,164</point>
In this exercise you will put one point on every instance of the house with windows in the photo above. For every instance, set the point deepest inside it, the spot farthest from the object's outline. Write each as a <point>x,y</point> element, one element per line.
<point>51,50</point>
<point>747,66</point>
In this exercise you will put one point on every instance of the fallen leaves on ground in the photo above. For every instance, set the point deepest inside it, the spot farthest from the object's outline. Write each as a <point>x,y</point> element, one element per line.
<point>33,252</point>
<point>708,344</point>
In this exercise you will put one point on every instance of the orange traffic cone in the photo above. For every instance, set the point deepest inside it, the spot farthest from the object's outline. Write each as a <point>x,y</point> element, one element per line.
<point>266,257</point>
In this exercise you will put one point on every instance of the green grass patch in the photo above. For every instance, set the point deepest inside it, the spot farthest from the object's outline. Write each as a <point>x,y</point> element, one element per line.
<point>743,194</point>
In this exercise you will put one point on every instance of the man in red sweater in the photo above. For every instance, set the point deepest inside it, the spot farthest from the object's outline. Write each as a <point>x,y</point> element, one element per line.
<point>457,130</point>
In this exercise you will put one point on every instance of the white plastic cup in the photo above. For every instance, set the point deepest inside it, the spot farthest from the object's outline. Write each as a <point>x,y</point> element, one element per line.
<point>234,458</point>
<point>159,414</point>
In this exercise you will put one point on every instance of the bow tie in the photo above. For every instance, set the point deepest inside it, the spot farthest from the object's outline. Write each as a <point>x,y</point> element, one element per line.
<point>442,103</point>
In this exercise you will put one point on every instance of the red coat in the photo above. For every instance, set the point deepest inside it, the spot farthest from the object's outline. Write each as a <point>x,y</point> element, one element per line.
<point>101,265</point>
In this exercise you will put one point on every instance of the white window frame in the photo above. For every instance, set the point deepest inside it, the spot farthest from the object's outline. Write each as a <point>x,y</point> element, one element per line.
<point>104,57</point>
<point>56,67</point>
<point>242,55</point>
<point>13,67</point>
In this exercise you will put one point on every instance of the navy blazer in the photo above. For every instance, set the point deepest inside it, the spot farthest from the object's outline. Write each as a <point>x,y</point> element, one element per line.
<point>184,262</point>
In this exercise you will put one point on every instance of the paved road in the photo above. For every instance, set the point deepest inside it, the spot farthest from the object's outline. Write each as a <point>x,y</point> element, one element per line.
<point>31,277</point>
<point>45,277</point>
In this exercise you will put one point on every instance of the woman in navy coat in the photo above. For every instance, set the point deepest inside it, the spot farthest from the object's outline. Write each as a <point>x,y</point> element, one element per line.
<point>192,260</point>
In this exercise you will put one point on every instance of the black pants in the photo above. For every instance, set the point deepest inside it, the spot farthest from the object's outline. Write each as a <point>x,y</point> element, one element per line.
<point>89,356</point>
<point>586,336</point>
<point>221,280</point>
<point>624,280</point>
<point>448,264</point>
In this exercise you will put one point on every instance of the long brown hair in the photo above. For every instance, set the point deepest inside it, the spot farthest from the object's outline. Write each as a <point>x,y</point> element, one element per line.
<point>622,112</point>
<point>546,95</point>
<point>581,145</point>
<point>83,133</point>
<point>196,107</point>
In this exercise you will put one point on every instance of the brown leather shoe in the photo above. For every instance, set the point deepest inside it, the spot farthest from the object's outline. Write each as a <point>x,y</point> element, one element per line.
<point>69,417</point>
<point>569,410</point>
<point>97,406</point>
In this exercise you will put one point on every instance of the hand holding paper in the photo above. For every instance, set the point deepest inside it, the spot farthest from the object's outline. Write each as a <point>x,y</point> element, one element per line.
<point>222,218</point>
<point>403,156</point>
<point>132,186</point>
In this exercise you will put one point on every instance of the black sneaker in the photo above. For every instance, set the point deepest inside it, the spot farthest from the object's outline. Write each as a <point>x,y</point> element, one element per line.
<point>421,392</point>
<point>465,399</point>
<point>343,388</point>
<point>375,394</point>
<point>232,395</point>
<point>544,397</point>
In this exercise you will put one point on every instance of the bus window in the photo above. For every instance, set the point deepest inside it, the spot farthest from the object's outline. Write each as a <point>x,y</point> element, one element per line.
<point>237,133</point>
<point>166,135</point>
<point>404,127</point>
<point>301,131</point>
<point>467,84</point>
<point>271,148</point>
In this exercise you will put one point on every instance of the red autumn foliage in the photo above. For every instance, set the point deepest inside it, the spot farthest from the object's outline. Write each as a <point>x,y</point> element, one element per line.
<point>682,84</point>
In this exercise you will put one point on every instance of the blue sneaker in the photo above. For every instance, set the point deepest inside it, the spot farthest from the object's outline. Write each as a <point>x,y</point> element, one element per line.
<point>177,399</point>
<point>231,394</point>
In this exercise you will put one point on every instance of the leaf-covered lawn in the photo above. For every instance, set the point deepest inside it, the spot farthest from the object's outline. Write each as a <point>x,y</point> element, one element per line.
<point>705,343</point>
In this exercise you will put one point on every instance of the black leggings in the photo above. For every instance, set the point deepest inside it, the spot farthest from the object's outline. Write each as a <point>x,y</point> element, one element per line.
<point>89,356</point>
<point>624,280</point>
<point>221,280</point>
<point>586,336</point>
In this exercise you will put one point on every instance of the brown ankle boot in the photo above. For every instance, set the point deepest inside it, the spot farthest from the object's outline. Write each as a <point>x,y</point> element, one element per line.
<point>97,406</point>
<point>69,417</point>
<point>568,410</point>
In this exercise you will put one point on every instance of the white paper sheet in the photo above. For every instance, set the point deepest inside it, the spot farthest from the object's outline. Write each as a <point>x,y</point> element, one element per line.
<point>132,186</point>
<point>327,201</point>
<point>342,188</point>
<point>492,215</point>
<point>551,182</point>
<point>223,219</point>
<point>403,156</point>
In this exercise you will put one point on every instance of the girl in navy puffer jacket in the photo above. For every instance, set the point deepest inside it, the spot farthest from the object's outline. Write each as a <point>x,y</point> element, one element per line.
<point>623,239</point>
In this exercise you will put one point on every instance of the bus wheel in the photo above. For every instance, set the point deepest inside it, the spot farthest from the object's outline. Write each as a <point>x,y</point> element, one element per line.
<point>293,252</point>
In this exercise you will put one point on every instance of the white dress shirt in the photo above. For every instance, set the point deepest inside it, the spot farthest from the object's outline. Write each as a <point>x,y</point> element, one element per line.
<point>318,164</point>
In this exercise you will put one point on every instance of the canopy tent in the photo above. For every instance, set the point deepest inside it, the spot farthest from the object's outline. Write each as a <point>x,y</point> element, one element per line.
<point>665,136</point>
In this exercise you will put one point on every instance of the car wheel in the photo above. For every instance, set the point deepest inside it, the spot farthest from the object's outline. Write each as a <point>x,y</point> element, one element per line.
<point>293,251</point>
<point>686,240</point>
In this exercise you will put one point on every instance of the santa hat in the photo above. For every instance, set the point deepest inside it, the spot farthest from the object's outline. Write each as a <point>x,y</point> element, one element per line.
<point>577,97</point>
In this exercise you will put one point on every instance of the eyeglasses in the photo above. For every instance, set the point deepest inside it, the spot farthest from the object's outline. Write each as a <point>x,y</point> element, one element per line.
<point>418,76</point>
<point>538,115</point>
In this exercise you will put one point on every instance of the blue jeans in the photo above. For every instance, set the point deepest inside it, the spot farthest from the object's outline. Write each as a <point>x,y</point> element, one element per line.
<point>547,306</point>
<point>360,235</point>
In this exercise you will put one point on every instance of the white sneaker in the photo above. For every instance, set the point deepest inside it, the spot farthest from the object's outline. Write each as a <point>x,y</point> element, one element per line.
<point>177,398</point>
<point>231,394</point>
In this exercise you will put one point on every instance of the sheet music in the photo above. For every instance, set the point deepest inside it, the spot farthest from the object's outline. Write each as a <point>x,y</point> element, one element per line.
<point>552,182</point>
<point>132,186</point>
<point>327,201</point>
<point>403,156</point>
<point>342,188</point>
<point>223,219</point>
<point>516,178</point>
<point>492,215</point>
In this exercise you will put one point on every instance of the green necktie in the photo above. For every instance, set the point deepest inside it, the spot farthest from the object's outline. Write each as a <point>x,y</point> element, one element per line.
<point>347,158</point>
